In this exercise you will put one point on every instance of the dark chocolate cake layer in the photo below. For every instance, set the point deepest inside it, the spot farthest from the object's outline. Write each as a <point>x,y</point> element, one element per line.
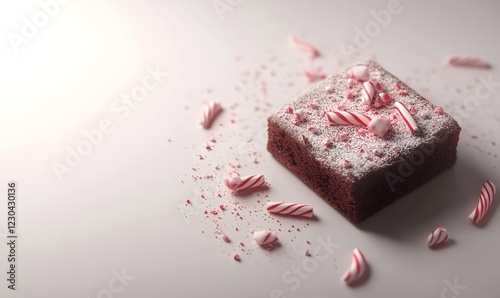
<point>357,172</point>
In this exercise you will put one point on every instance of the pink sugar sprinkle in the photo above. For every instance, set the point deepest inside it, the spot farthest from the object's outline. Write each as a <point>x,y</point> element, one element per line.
<point>308,242</point>
<point>188,201</point>
<point>237,257</point>
<point>214,212</point>
<point>342,136</point>
<point>346,164</point>
<point>307,253</point>
<point>225,238</point>
<point>439,110</point>
<point>360,131</point>
<point>397,86</point>
<point>242,244</point>
<point>412,109</point>
<point>288,109</point>
<point>348,94</point>
<point>312,129</point>
<point>340,107</point>
<point>222,207</point>
<point>403,92</point>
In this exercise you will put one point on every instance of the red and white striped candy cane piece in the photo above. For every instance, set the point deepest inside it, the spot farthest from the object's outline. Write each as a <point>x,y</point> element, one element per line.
<point>210,111</point>
<point>486,197</point>
<point>358,267</point>
<point>368,93</point>
<point>293,209</point>
<point>382,99</point>
<point>347,118</point>
<point>312,50</point>
<point>468,61</point>
<point>378,125</point>
<point>252,181</point>
<point>265,237</point>
<point>437,237</point>
<point>407,118</point>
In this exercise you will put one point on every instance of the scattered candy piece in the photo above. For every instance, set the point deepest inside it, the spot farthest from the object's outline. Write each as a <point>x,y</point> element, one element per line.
<point>382,99</point>
<point>283,208</point>
<point>225,238</point>
<point>467,61</point>
<point>210,111</point>
<point>307,253</point>
<point>488,191</point>
<point>237,257</point>
<point>237,183</point>
<point>359,73</point>
<point>313,52</point>
<point>407,118</point>
<point>348,94</point>
<point>358,267</point>
<point>347,118</point>
<point>377,125</point>
<point>312,129</point>
<point>379,87</point>
<point>437,237</point>
<point>368,93</point>
<point>439,110</point>
<point>265,237</point>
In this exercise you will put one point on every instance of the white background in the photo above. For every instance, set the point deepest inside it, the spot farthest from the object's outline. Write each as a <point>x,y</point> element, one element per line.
<point>122,207</point>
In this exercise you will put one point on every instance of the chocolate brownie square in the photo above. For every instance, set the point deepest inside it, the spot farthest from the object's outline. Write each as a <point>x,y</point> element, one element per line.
<point>362,139</point>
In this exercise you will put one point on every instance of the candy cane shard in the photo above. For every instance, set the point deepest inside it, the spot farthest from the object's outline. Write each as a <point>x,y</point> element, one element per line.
<point>382,99</point>
<point>467,61</point>
<point>368,93</point>
<point>312,50</point>
<point>357,269</point>
<point>407,118</point>
<point>378,125</point>
<point>265,237</point>
<point>486,197</point>
<point>293,209</point>
<point>347,118</point>
<point>437,237</point>
<point>210,111</point>
<point>237,183</point>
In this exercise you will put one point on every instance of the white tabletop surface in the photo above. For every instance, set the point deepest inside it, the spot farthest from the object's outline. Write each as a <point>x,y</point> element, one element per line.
<point>113,221</point>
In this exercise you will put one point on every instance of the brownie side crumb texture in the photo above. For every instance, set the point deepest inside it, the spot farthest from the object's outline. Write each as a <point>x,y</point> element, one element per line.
<point>379,170</point>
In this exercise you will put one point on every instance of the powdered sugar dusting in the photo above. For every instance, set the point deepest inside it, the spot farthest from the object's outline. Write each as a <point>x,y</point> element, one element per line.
<point>361,147</point>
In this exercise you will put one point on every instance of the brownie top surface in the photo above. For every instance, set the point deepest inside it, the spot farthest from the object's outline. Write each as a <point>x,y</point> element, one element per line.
<point>354,151</point>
